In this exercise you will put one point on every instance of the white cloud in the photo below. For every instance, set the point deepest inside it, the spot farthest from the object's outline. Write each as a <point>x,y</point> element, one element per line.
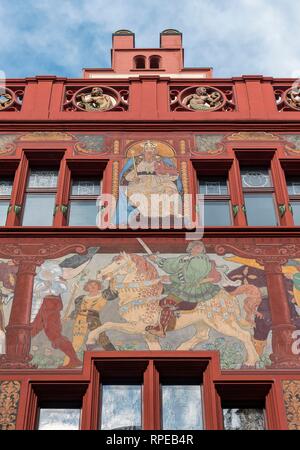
<point>233,36</point>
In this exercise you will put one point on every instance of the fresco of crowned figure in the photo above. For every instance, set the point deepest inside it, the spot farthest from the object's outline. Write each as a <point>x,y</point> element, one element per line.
<point>150,169</point>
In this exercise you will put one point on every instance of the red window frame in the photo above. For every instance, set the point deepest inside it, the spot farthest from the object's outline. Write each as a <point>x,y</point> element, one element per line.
<point>151,368</point>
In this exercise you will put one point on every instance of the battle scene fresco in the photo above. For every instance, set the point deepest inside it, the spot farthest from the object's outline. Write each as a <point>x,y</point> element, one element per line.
<point>138,301</point>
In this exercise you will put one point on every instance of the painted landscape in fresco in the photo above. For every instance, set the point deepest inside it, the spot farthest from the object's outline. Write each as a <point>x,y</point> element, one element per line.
<point>134,301</point>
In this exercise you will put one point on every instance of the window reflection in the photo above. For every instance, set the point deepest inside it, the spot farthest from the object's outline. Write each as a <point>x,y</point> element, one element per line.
<point>3,211</point>
<point>244,419</point>
<point>181,407</point>
<point>59,419</point>
<point>260,209</point>
<point>121,407</point>
<point>6,184</point>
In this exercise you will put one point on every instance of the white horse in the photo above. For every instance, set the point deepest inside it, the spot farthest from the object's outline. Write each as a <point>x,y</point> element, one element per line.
<point>139,295</point>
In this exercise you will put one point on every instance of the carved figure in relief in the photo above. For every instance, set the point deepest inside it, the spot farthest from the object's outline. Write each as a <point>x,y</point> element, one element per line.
<point>95,100</point>
<point>201,300</point>
<point>5,99</point>
<point>203,100</point>
<point>293,97</point>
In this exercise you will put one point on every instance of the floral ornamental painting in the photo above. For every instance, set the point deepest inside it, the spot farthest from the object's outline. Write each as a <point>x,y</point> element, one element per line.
<point>150,170</point>
<point>90,144</point>
<point>96,99</point>
<point>8,144</point>
<point>9,402</point>
<point>292,143</point>
<point>8,273</point>
<point>137,301</point>
<point>291,393</point>
<point>202,98</point>
<point>210,144</point>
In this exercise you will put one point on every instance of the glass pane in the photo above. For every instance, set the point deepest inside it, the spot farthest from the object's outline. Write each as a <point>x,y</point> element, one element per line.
<point>293,184</point>
<point>121,407</point>
<point>296,212</point>
<point>43,178</point>
<point>181,407</point>
<point>83,212</point>
<point>85,186</point>
<point>213,186</point>
<point>3,212</point>
<point>244,419</point>
<point>59,419</point>
<point>39,209</point>
<point>255,177</point>
<point>260,209</point>
<point>216,213</point>
<point>6,185</point>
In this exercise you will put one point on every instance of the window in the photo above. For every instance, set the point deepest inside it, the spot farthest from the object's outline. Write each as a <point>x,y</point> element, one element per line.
<point>154,62</point>
<point>83,201</point>
<point>6,184</point>
<point>244,419</point>
<point>258,196</point>
<point>161,390</point>
<point>121,407</point>
<point>181,407</point>
<point>216,201</point>
<point>55,418</point>
<point>40,197</point>
<point>140,62</point>
<point>293,185</point>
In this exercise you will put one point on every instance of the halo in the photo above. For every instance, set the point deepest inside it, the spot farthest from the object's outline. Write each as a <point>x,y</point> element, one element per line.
<point>163,148</point>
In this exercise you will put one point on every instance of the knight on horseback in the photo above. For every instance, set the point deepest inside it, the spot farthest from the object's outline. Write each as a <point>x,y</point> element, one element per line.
<point>191,279</point>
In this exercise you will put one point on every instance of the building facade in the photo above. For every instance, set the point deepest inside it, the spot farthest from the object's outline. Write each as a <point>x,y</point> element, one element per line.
<point>191,305</point>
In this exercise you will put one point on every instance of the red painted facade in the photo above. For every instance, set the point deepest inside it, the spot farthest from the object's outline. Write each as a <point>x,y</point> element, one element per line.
<point>43,125</point>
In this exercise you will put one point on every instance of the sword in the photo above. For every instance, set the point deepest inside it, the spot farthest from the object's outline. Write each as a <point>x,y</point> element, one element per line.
<point>145,246</point>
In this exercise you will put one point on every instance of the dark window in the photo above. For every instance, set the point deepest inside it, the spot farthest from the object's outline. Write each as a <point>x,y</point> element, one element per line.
<point>216,201</point>
<point>154,62</point>
<point>83,201</point>
<point>6,184</point>
<point>258,196</point>
<point>140,62</point>
<point>40,197</point>
<point>293,184</point>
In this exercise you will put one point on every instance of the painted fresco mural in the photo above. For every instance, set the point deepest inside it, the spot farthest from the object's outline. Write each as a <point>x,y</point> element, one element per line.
<point>8,272</point>
<point>150,169</point>
<point>132,301</point>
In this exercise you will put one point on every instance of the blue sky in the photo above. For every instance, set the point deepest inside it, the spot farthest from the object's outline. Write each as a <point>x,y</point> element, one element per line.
<point>235,37</point>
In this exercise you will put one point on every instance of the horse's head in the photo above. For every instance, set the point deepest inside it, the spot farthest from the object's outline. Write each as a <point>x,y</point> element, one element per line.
<point>121,264</point>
